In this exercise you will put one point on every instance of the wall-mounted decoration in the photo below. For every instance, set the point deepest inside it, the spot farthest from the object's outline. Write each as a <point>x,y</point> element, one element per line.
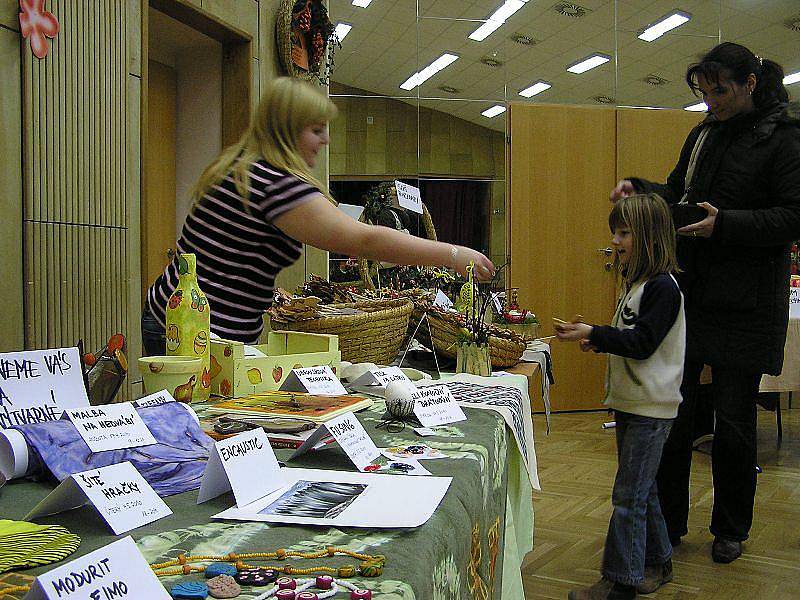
<point>306,41</point>
<point>37,25</point>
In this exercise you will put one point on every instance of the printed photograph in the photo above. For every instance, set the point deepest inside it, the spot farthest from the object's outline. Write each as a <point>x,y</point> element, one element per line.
<point>315,499</point>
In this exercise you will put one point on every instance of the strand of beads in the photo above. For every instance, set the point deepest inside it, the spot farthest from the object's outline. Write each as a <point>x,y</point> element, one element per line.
<point>287,588</point>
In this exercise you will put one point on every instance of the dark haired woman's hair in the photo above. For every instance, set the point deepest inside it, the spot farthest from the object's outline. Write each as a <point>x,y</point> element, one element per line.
<point>735,62</point>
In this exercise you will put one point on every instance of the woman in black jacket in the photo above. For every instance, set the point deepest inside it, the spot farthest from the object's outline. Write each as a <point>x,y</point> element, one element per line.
<point>735,196</point>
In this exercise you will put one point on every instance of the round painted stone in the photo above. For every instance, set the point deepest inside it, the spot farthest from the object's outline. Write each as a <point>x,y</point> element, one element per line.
<point>324,582</point>
<point>258,576</point>
<point>220,568</point>
<point>286,583</point>
<point>189,590</point>
<point>360,595</point>
<point>223,586</point>
<point>285,595</point>
<point>306,596</point>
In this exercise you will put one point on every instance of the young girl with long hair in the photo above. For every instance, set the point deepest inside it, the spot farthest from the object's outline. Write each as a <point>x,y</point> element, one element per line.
<point>258,202</point>
<point>645,343</point>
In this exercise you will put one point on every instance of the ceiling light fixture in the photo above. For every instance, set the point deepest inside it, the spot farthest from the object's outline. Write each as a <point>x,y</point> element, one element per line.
<point>497,109</point>
<point>496,19</point>
<point>361,3</point>
<point>341,30</point>
<point>588,63</point>
<point>698,107</point>
<point>421,77</point>
<point>571,10</point>
<point>663,25</point>
<point>536,88</point>
<point>791,78</point>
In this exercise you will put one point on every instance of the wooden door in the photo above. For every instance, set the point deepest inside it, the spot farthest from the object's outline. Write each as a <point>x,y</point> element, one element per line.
<point>562,168</point>
<point>158,208</point>
<point>649,141</point>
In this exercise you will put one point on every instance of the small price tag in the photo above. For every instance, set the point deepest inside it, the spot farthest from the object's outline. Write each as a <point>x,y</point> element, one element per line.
<point>233,462</point>
<point>157,399</point>
<point>115,571</point>
<point>350,435</point>
<point>408,196</point>
<point>119,493</point>
<point>434,405</point>
<point>111,427</point>
<point>314,380</point>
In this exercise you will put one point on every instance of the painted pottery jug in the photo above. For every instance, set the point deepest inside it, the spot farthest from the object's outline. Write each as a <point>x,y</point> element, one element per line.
<point>189,329</point>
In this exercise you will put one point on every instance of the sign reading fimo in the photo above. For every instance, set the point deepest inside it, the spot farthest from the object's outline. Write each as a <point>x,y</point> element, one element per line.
<point>408,196</point>
<point>115,571</point>
<point>434,405</point>
<point>38,385</point>
<point>314,380</point>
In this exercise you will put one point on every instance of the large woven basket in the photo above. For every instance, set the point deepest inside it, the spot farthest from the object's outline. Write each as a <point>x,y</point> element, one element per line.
<point>372,336</point>
<point>504,351</point>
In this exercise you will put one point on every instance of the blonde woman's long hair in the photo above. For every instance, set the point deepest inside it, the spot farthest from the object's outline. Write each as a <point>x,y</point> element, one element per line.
<point>287,106</point>
<point>653,236</point>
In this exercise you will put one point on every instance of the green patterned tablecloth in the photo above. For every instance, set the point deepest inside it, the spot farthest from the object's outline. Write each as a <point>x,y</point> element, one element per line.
<point>471,548</point>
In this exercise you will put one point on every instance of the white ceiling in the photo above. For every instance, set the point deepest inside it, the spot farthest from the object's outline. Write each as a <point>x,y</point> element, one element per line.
<point>391,39</point>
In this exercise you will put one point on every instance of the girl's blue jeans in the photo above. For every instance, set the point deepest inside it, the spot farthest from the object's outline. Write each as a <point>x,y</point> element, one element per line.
<point>637,535</point>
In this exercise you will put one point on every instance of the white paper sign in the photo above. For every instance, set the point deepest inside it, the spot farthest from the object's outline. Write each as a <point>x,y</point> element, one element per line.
<point>232,464</point>
<point>794,303</point>
<point>157,399</point>
<point>352,437</point>
<point>119,493</point>
<point>38,385</point>
<point>408,196</point>
<point>111,427</point>
<point>314,380</point>
<point>115,571</point>
<point>435,405</point>
<point>442,300</point>
<point>381,377</point>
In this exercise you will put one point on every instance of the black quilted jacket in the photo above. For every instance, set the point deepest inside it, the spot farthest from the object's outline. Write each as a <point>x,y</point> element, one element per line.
<point>736,283</point>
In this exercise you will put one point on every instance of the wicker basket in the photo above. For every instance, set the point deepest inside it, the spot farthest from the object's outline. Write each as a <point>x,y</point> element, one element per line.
<point>372,336</point>
<point>504,352</point>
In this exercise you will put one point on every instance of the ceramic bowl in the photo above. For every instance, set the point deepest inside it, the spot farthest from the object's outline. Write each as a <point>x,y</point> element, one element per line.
<point>176,374</point>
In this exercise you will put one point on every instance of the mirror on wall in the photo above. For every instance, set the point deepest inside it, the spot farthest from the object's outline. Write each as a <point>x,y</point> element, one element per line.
<point>423,85</point>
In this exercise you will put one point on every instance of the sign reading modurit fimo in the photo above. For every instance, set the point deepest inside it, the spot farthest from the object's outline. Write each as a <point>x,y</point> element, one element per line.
<point>111,427</point>
<point>114,571</point>
<point>435,405</point>
<point>38,385</point>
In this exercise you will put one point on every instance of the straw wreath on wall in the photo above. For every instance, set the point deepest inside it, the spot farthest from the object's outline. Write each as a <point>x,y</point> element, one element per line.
<point>306,40</point>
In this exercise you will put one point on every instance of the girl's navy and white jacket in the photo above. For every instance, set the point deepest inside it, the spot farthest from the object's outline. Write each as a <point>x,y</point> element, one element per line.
<point>646,342</point>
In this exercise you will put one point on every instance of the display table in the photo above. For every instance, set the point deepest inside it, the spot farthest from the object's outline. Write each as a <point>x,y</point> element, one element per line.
<point>789,379</point>
<point>472,547</point>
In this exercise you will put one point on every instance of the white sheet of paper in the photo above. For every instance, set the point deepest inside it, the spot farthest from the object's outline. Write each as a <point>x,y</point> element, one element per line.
<point>434,405</point>
<point>424,431</point>
<point>350,435</point>
<point>408,196</point>
<point>314,380</point>
<point>111,427</point>
<point>119,493</point>
<point>381,377</point>
<point>356,500</point>
<point>156,399</point>
<point>442,300</point>
<point>38,385</point>
<point>232,464</point>
<point>115,571</point>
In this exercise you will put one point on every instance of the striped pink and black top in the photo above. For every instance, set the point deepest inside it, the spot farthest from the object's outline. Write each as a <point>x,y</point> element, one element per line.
<point>239,253</point>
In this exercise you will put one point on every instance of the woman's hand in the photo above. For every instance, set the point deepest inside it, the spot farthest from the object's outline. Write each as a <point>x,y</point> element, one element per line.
<point>623,190</point>
<point>573,332</point>
<point>702,228</point>
<point>587,346</point>
<point>463,256</point>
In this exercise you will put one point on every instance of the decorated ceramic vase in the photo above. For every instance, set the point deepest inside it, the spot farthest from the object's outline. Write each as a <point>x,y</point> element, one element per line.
<point>189,329</point>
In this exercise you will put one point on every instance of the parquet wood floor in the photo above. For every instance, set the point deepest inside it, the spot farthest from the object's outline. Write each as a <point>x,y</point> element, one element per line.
<point>577,463</point>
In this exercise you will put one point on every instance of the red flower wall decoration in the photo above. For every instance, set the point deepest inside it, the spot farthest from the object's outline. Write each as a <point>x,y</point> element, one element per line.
<point>36,23</point>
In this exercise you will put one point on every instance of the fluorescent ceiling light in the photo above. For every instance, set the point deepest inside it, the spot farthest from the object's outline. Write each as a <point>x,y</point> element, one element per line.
<point>699,107</point>
<point>341,31</point>
<point>497,109</point>
<point>671,21</point>
<point>496,19</point>
<point>588,63</point>
<point>536,88</point>
<point>791,78</point>
<point>361,3</point>
<point>421,77</point>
